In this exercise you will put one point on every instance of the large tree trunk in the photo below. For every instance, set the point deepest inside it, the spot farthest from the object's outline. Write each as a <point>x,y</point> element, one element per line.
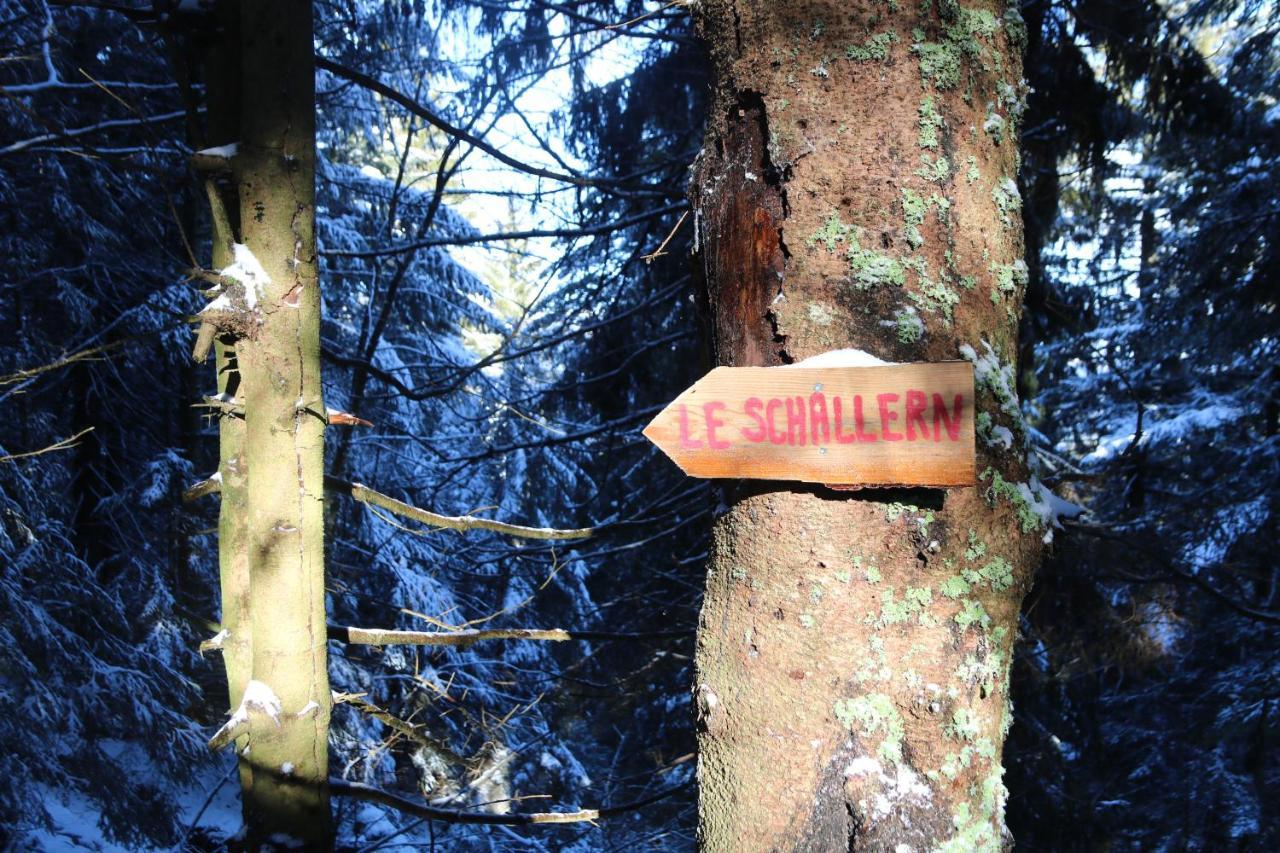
<point>856,191</point>
<point>279,361</point>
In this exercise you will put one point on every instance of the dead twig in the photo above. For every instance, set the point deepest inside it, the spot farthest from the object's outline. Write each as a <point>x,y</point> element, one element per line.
<point>65,444</point>
<point>658,252</point>
<point>366,495</point>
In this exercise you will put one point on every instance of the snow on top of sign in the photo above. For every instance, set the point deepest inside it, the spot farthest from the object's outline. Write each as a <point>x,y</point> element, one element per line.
<point>842,358</point>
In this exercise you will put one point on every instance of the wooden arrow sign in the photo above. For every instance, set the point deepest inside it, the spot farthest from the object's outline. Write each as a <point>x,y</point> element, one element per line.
<point>895,425</point>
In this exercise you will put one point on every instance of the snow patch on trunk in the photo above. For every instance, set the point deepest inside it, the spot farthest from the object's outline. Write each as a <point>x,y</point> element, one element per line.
<point>257,697</point>
<point>247,270</point>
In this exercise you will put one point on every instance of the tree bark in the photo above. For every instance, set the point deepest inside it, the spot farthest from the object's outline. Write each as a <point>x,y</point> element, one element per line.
<point>279,363</point>
<point>223,123</point>
<point>855,190</point>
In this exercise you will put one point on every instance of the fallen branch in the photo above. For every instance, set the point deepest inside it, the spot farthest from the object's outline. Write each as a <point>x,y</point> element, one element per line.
<point>366,495</point>
<point>395,801</point>
<point>464,638</point>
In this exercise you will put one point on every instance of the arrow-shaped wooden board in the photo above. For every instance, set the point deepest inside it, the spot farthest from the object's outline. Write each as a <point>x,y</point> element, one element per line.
<point>894,425</point>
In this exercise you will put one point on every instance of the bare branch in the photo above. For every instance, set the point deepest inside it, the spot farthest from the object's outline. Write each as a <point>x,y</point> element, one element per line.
<point>209,486</point>
<point>661,250</point>
<point>473,239</point>
<point>395,801</point>
<point>66,361</point>
<point>366,495</point>
<point>467,637</point>
<point>414,732</point>
<point>65,444</point>
<point>72,133</point>
<point>440,123</point>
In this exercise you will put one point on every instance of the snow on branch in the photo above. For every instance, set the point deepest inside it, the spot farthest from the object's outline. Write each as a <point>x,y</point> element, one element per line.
<point>216,160</point>
<point>214,643</point>
<point>366,495</point>
<point>73,133</point>
<point>205,487</point>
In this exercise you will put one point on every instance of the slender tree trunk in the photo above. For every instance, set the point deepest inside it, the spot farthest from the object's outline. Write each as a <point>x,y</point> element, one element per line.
<point>283,449</point>
<point>223,88</point>
<point>856,190</point>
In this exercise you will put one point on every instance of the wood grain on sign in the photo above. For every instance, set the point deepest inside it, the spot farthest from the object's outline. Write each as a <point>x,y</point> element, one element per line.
<point>895,425</point>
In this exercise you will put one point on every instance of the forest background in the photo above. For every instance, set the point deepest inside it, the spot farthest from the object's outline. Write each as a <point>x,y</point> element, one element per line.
<point>507,332</point>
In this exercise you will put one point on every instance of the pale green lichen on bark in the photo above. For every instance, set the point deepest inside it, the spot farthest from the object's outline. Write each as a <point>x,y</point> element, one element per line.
<point>876,666</point>
<point>872,269</point>
<point>909,326</point>
<point>976,549</point>
<point>934,170</point>
<point>941,62</point>
<point>1008,202</point>
<point>832,233</point>
<point>983,425</point>
<point>914,209</point>
<point>971,174</point>
<point>874,715</point>
<point>930,120</point>
<point>875,48</point>
<point>972,613</point>
<point>1015,27</point>
<point>896,510</point>
<point>954,587</point>
<point>962,725</point>
<point>935,296</point>
<point>1030,520</point>
<point>993,124</point>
